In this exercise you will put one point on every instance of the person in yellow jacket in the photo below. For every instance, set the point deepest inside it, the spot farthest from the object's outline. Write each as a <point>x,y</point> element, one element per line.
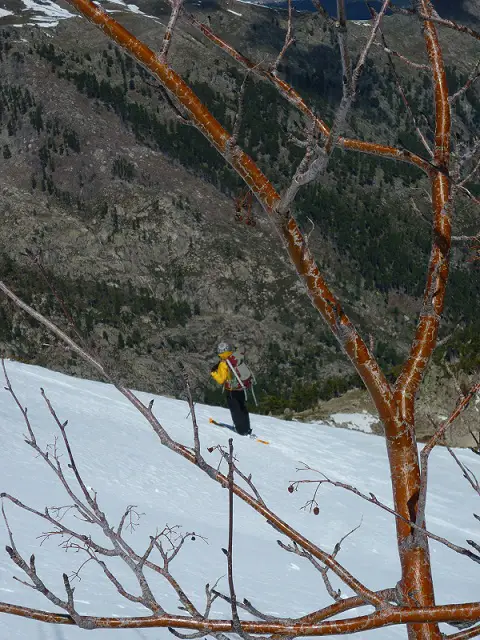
<point>223,373</point>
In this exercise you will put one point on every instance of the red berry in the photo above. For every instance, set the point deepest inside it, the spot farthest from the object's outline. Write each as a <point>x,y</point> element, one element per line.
<point>316,510</point>
<point>210,449</point>
<point>290,488</point>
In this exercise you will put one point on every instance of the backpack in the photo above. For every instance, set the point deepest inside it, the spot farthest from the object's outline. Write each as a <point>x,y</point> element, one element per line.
<point>242,377</point>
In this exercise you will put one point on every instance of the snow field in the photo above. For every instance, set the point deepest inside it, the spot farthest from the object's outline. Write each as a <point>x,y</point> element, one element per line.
<point>121,458</point>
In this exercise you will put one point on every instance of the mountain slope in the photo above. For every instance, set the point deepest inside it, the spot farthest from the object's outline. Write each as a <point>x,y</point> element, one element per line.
<point>133,214</point>
<point>120,457</point>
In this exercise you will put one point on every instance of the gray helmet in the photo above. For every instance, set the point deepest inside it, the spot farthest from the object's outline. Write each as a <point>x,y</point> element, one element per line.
<point>223,346</point>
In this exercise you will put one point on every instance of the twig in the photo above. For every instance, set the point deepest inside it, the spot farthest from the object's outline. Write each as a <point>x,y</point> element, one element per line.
<point>395,54</point>
<point>167,38</point>
<point>374,500</point>
<point>55,330</point>
<point>187,636</point>
<point>246,605</point>
<point>36,260</point>
<point>342,35</point>
<point>456,384</point>
<point>424,455</point>
<point>473,77</point>
<point>196,437</point>
<point>72,465</point>
<point>289,40</point>
<point>451,24</point>
<point>30,570</point>
<point>463,189</point>
<point>324,13</point>
<point>473,632</point>
<point>471,175</point>
<point>237,627</point>
<point>476,166</point>
<point>475,449</point>
<point>239,115</point>
<point>388,595</point>
<point>467,474</point>
<point>351,89</point>
<point>406,103</point>
<point>335,595</point>
<point>23,410</point>
<point>465,239</point>
<point>420,213</point>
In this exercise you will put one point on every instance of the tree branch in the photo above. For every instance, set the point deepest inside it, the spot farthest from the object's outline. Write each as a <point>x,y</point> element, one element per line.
<point>196,437</point>
<point>386,617</point>
<point>371,497</point>
<point>467,474</point>
<point>167,38</point>
<point>289,40</point>
<point>405,101</point>
<point>423,15</point>
<point>473,77</point>
<point>465,634</point>
<point>236,625</point>
<point>294,98</point>
<point>462,404</point>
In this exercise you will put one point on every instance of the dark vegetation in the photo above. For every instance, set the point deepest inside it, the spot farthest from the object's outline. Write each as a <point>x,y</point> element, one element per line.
<point>344,207</point>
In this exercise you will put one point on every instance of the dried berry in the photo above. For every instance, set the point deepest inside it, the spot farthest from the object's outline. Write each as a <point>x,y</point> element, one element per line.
<point>210,449</point>
<point>290,488</point>
<point>316,510</point>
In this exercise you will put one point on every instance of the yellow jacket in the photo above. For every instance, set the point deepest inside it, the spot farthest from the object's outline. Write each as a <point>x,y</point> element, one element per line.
<point>223,373</point>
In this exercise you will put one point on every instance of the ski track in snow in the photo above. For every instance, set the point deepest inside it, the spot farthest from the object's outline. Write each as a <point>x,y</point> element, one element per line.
<point>119,456</point>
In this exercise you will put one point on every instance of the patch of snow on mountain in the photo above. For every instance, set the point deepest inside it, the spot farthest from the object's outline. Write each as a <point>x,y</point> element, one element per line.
<point>47,14</point>
<point>357,421</point>
<point>50,12</point>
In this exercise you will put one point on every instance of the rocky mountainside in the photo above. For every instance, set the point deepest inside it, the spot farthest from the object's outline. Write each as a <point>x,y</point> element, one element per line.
<point>132,214</point>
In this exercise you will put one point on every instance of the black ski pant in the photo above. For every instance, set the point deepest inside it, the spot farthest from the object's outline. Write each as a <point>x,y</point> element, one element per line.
<point>239,411</point>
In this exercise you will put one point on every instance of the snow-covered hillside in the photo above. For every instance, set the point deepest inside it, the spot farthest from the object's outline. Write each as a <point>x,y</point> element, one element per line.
<point>122,459</point>
<point>47,13</point>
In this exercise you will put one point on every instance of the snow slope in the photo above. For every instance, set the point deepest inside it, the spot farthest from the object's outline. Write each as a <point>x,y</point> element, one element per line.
<point>121,458</point>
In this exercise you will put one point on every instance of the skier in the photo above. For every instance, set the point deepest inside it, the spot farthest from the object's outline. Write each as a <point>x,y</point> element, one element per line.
<point>236,378</point>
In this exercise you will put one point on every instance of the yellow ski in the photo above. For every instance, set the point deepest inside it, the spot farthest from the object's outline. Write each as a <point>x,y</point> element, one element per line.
<point>223,425</point>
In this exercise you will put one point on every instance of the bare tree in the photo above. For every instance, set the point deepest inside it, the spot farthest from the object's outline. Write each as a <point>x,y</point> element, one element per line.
<point>412,600</point>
